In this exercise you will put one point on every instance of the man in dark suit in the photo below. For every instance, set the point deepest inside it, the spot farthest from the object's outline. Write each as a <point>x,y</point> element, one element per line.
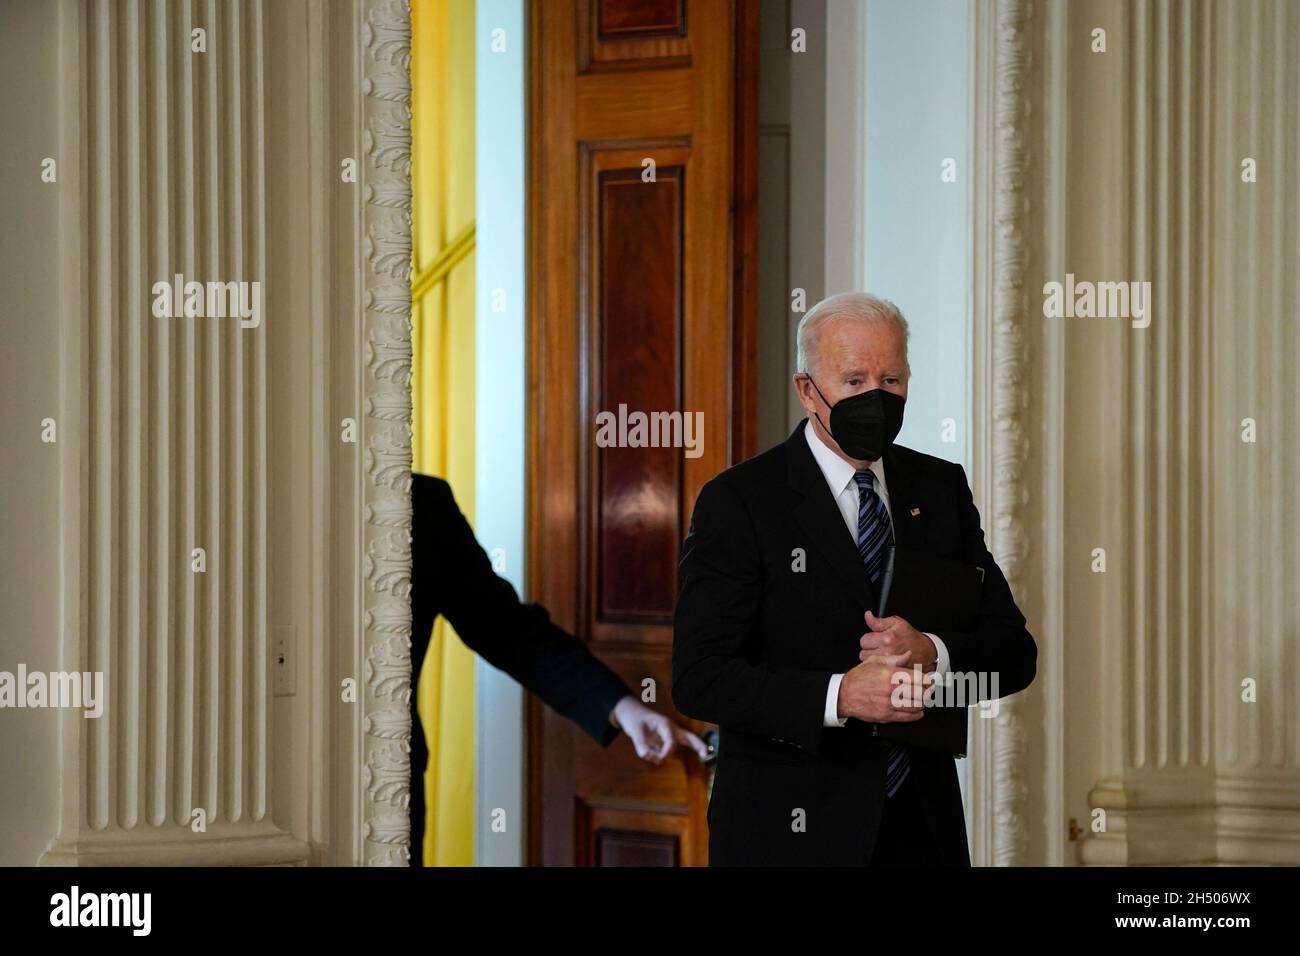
<point>451,574</point>
<point>774,638</point>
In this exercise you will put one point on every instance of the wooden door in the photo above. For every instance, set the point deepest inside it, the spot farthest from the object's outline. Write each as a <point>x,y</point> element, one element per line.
<point>642,242</point>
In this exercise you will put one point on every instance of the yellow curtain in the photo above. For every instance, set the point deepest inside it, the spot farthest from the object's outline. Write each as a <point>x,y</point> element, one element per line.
<point>442,384</point>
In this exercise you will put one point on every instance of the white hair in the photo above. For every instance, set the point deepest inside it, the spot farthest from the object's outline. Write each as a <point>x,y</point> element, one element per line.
<point>846,305</point>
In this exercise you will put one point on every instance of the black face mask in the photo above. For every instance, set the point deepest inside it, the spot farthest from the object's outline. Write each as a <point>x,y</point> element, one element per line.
<point>864,425</point>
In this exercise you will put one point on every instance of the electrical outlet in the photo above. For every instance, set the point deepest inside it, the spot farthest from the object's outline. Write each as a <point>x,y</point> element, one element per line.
<point>284,655</point>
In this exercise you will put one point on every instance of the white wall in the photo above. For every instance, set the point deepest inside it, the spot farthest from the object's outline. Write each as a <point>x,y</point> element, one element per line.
<point>29,392</point>
<point>917,250</point>
<point>501,112</point>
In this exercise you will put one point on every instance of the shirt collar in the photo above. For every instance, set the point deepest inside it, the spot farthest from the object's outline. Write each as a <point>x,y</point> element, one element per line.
<point>838,472</point>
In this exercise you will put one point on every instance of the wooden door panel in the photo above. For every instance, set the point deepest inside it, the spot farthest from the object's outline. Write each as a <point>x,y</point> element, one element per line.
<point>639,18</point>
<point>633,244</point>
<point>631,34</point>
<point>640,297</point>
<point>629,837</point>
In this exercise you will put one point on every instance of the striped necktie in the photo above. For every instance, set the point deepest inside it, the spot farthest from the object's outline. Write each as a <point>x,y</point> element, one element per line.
<point>874,539</point>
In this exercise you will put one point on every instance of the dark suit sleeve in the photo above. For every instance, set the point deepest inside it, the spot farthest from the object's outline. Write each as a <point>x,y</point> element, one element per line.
<point>486,612</point>
<point>1000,642</point>
<point>716,629</point>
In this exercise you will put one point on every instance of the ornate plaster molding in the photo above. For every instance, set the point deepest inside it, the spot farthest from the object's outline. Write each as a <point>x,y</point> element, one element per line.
<point>386,227</point>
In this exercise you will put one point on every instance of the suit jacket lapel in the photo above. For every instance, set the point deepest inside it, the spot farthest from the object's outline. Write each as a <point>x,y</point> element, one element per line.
<point>901,500</point>
<point>818,516</point>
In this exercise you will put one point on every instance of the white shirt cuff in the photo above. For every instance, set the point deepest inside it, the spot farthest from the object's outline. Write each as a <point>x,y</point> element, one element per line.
<point>942,664</point>
<point>832,718</point>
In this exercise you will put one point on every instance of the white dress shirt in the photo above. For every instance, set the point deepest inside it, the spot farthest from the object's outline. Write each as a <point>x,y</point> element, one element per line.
<point>839,477</point>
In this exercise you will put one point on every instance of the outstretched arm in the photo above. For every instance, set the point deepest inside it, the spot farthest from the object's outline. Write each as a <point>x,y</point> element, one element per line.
<point>484,608</point>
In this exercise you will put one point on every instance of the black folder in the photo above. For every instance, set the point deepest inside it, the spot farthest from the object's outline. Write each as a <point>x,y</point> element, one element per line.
<point>932,594</point>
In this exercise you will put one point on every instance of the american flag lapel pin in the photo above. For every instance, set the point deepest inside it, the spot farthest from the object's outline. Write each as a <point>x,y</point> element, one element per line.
<point>915,512</point>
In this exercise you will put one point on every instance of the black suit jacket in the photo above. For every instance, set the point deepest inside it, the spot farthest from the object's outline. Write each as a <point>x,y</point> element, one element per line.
<point>452,575</point>
<point>755,644</point>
